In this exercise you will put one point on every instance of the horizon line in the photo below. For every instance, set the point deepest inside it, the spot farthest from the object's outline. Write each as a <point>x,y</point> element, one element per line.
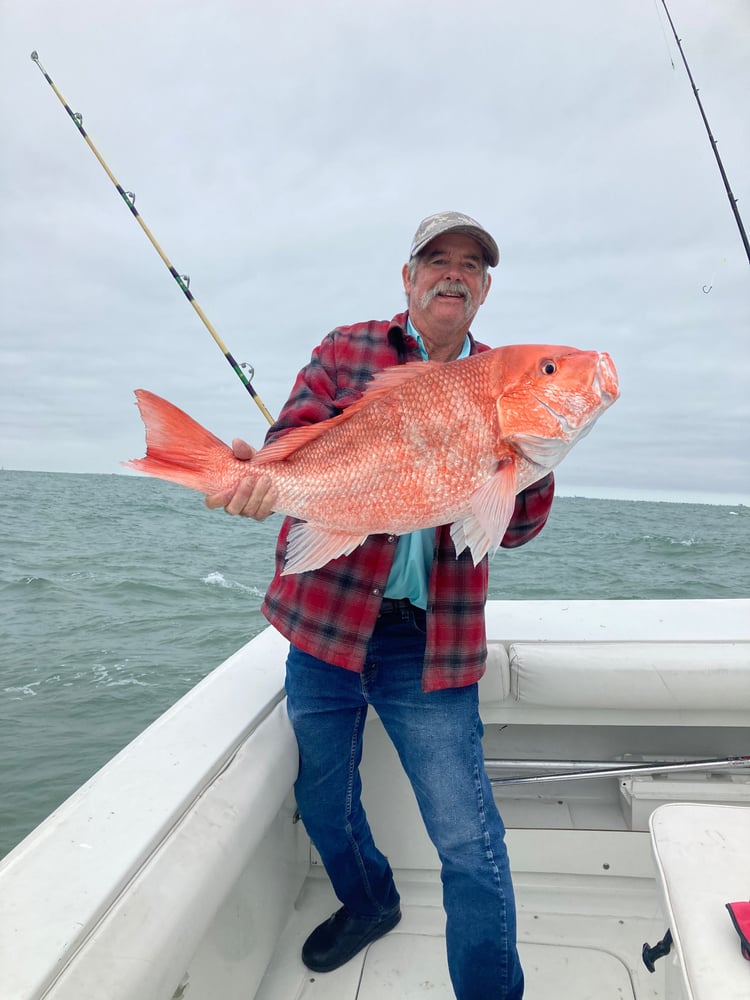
<point>713,498</point>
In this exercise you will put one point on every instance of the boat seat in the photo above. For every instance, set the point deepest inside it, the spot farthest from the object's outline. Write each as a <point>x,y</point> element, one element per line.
<point>638,675</point>
<point>494,686</point>
<point>666,676</point>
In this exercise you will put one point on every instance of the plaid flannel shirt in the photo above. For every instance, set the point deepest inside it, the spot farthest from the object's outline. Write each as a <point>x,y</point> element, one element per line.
<point>331,612</point>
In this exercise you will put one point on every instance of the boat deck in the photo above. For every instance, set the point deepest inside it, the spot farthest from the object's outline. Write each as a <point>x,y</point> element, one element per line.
<point>585,880</point>
<point>590,950</point>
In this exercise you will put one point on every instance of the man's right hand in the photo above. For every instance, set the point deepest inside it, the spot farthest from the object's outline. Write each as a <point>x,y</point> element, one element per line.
<point>248,497</point>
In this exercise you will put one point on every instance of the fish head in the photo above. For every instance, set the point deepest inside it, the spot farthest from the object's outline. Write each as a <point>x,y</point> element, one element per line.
<point>548,397</point>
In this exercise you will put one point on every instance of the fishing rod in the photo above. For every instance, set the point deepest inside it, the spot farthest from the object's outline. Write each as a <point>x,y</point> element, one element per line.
<point>714,147</point>
<point>182,280</point>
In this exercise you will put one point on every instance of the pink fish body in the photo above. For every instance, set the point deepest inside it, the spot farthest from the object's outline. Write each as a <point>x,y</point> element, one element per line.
<point>427,444</point>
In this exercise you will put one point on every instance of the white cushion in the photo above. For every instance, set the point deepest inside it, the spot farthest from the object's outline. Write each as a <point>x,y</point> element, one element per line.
<point>632,675</point>
<point>495,685</point>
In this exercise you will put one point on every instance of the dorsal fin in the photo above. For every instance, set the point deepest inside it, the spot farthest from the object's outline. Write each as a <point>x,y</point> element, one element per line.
<point>383,383</point>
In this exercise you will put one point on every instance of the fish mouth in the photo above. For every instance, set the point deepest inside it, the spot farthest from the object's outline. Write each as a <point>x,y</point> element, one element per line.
<point>605,380</point>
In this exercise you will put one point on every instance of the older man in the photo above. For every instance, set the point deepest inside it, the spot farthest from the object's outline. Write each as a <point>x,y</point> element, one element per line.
<point>399,625</point>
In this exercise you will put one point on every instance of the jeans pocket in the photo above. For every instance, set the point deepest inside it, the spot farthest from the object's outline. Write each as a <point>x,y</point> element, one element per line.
<point>419,621</point>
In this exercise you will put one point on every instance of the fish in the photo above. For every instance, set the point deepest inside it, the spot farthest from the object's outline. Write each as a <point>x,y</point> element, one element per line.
<point>427,443</point>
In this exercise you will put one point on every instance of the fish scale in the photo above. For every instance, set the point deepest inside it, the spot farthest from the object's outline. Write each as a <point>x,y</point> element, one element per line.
<point>339,478</point>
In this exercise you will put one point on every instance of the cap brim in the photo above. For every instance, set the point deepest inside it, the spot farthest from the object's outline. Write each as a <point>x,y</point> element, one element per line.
<point>483,238</point>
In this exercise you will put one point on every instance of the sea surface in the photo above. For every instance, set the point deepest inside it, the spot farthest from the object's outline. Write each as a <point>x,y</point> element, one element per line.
<point>119,593</point>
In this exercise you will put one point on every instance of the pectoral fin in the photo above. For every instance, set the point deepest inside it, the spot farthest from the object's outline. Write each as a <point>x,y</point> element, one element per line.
<point>492,507</point>
<point>309,547</point>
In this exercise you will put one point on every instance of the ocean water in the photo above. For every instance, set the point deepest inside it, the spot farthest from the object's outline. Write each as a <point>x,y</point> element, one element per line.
<point>119,593</point>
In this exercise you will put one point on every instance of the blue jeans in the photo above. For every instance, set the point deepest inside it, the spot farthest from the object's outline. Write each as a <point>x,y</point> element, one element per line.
<point>438,739</point>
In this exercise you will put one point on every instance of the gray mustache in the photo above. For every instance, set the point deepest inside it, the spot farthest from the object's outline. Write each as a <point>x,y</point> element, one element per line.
<point>448,288</point>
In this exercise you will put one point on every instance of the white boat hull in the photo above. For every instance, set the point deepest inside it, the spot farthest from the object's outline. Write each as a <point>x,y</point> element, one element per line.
<point>179,869</point>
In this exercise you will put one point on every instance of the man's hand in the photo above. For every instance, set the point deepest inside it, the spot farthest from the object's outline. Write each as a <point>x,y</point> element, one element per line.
<point>248,497</point>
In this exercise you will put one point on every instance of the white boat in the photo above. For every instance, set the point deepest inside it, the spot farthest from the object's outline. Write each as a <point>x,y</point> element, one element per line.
<point>181,870</point>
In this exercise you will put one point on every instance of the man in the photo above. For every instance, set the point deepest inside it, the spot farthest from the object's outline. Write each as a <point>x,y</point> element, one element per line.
<point>399,625</point>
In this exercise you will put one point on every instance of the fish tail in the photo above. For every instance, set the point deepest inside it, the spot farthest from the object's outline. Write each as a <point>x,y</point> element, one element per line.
<point>178,448</point>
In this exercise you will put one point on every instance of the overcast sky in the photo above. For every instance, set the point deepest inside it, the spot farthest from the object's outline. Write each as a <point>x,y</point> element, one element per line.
<point>283,154</point>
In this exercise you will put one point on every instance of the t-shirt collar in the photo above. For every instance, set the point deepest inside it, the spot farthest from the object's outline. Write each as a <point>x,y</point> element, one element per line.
<point>411,329</point>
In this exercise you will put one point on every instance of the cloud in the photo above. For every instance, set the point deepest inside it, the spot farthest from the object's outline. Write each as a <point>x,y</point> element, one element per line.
<point>282,158</point>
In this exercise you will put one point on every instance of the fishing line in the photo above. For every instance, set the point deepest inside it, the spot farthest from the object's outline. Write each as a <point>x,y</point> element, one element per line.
<point>710,284</point>
<point>182,279</point>
<point>663,33</point>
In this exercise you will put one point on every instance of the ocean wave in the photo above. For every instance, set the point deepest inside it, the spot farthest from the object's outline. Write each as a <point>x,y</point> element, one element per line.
<point>32,581</point>
<point>26,690</point>
<point>669,540</point>
<point>217,579</point>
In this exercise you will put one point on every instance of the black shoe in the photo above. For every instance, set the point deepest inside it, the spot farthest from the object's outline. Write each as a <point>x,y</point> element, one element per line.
<point>340,937</point>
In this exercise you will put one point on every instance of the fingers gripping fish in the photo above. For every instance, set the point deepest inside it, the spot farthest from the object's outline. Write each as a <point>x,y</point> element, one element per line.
<point>428,443</point>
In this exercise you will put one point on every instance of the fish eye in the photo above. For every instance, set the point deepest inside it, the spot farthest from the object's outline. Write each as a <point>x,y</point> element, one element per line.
<point>548,367</point>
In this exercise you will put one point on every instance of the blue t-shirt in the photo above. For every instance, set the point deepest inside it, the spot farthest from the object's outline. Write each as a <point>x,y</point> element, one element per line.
<point>410,572</point>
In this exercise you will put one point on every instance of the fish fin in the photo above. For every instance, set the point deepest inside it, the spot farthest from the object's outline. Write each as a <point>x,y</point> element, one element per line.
<point>391,378</point>
<point>178,448</point>
<point>310,547</point>
<point>492,507</point>
<point>383,383</point>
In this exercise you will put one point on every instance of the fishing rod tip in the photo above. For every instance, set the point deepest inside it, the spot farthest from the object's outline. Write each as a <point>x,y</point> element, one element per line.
<point>35,56</point>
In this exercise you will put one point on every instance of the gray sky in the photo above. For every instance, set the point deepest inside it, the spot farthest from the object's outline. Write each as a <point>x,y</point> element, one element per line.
<point>283,154</point>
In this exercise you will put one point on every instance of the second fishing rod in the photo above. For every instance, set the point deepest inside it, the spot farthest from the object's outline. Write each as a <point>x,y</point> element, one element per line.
<point>129,198</point>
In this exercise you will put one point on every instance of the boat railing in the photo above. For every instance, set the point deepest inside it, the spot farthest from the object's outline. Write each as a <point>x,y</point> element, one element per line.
<point>122,881</point>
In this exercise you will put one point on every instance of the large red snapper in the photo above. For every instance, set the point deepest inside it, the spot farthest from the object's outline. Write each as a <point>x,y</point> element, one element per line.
<point>427,444</point>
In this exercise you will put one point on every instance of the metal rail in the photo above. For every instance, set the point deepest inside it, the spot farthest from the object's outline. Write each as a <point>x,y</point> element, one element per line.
<point>559,770</point>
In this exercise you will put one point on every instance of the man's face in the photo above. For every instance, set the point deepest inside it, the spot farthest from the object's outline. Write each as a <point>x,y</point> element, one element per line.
<point>448,285</point>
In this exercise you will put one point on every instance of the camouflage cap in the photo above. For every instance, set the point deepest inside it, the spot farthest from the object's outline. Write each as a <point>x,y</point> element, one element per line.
<point>454,222</point>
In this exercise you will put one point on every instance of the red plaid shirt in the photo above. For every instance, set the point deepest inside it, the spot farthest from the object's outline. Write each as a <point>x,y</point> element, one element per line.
<point>331,612</point>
